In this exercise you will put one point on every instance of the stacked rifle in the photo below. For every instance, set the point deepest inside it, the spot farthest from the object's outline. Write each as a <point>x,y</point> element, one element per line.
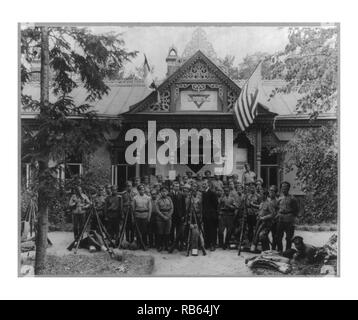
<point>97,236</point>
<point>195,231</point>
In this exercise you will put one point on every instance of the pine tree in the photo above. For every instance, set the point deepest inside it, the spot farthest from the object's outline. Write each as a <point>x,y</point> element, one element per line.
<point>70,57</point>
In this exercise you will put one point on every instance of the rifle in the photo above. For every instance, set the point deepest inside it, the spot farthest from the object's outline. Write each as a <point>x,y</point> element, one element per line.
<point>242,231</point>
<point>192,215</point>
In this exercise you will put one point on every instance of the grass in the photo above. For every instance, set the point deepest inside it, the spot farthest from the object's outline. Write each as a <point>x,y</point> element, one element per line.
<point>99,264</point>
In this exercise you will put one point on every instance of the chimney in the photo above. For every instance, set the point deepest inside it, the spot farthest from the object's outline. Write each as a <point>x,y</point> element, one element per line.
<point>172,61</point>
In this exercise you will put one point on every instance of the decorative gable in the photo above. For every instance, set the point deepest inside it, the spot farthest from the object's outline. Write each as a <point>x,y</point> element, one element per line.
<point>199,71</point>
<point>198,83</point>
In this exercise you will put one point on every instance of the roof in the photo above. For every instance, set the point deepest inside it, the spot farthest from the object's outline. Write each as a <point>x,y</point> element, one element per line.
<point>177,74</point>
<point>126,93</point>
<point>122,95</point>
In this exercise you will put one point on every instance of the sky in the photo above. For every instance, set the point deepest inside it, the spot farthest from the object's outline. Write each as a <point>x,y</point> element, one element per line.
<point>155,41</point>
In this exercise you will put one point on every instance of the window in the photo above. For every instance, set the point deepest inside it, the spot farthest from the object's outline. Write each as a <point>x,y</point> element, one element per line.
<point>72,168</point>
<point>270,175</point>
<point>121,171</point>
<point>269,168</point>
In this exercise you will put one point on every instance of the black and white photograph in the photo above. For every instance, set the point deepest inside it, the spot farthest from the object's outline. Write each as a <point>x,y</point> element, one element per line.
<point>179,150</point>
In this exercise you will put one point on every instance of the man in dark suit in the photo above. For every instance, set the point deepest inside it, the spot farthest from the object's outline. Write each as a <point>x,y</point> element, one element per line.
<point>210,215</point>
<point>178,218</point>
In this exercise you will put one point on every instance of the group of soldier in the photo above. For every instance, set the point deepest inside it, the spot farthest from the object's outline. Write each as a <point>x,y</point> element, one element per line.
<point>222,209</point>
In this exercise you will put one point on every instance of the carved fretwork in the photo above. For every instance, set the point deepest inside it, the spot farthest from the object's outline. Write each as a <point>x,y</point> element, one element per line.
<point>251,135</point>
<point>179,86</point>
<point>231,98</point>
<point>164,104</point>
<point>219,87</point>
<point>198,71</point>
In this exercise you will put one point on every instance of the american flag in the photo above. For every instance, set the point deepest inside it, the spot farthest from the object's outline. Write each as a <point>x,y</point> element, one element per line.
<point>245,107</point>
<point>148,78</point>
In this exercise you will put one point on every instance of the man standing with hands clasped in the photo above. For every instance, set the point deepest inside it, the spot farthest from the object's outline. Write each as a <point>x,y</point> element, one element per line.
<point>79,203</point>
<point>227,207</point>
<point>287,212</point>
<point>142,210</point>
<point>164,211</point>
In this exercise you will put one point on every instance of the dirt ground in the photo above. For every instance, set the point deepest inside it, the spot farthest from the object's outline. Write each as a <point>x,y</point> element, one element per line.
<point>217,263</point>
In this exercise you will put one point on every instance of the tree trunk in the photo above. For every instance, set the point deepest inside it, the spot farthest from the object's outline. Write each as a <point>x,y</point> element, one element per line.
<point>42,224</point>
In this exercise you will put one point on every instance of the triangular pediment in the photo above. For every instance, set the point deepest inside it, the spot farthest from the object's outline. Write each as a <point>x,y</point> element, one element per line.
<point>198,72</point>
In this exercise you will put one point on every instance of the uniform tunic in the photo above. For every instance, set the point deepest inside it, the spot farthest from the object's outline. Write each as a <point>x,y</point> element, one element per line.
<point>227,207</point>
<point>141,206</point>
<point>287,208</point>
<point>252,199</point>
<point>194,205</point>
<point>164,207</point>
<point>217,184</point>
<point>248,177</point>
<point>287,212</point>
<point>78,205</point>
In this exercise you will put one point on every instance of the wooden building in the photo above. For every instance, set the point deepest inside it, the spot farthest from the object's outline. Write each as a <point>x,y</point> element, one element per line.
<point>197,93</point>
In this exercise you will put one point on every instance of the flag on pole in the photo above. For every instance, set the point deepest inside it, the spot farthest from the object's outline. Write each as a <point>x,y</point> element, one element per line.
<point>148,79</point>
<point>245,107</point>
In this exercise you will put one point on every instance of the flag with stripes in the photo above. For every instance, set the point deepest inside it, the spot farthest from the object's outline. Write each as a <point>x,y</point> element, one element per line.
<point>148,78</point>
<point>245,107</point>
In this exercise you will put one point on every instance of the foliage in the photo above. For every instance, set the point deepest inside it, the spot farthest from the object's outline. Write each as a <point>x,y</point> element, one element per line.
<point>78,57</point>
<point>309,64</point>
<point>228,64</point>
<point>64,129</point>
<point>250,62</point>
<point>314,152</point>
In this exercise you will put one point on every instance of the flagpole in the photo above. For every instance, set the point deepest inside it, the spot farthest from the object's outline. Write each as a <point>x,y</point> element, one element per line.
<point>247,80</point>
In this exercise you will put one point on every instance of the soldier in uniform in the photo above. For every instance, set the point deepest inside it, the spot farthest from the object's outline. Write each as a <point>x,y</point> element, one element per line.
<point>210,216</point>
<point>99,202</point>
<point>79,203</point>
<point>232,191</point>
<point>227,210</point>
<point>127,198</point>
<point>216,183</point>
<point>193,216</point>
<point>287,212</point>
<point>178,218</point>
<point>146,185</point>
<point>189,174</point>
<point>260,189</point>
<point>235,177</point>
<point>113,213</point>
<point>252,205</point>
<point>248,176</point>
<point>164,211</point>
<point>199,180</point>
<point>160,180</point>
<point>142,210</point>
<point>152,230</point>
<point>207,175</point>
<point>266,217</point>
